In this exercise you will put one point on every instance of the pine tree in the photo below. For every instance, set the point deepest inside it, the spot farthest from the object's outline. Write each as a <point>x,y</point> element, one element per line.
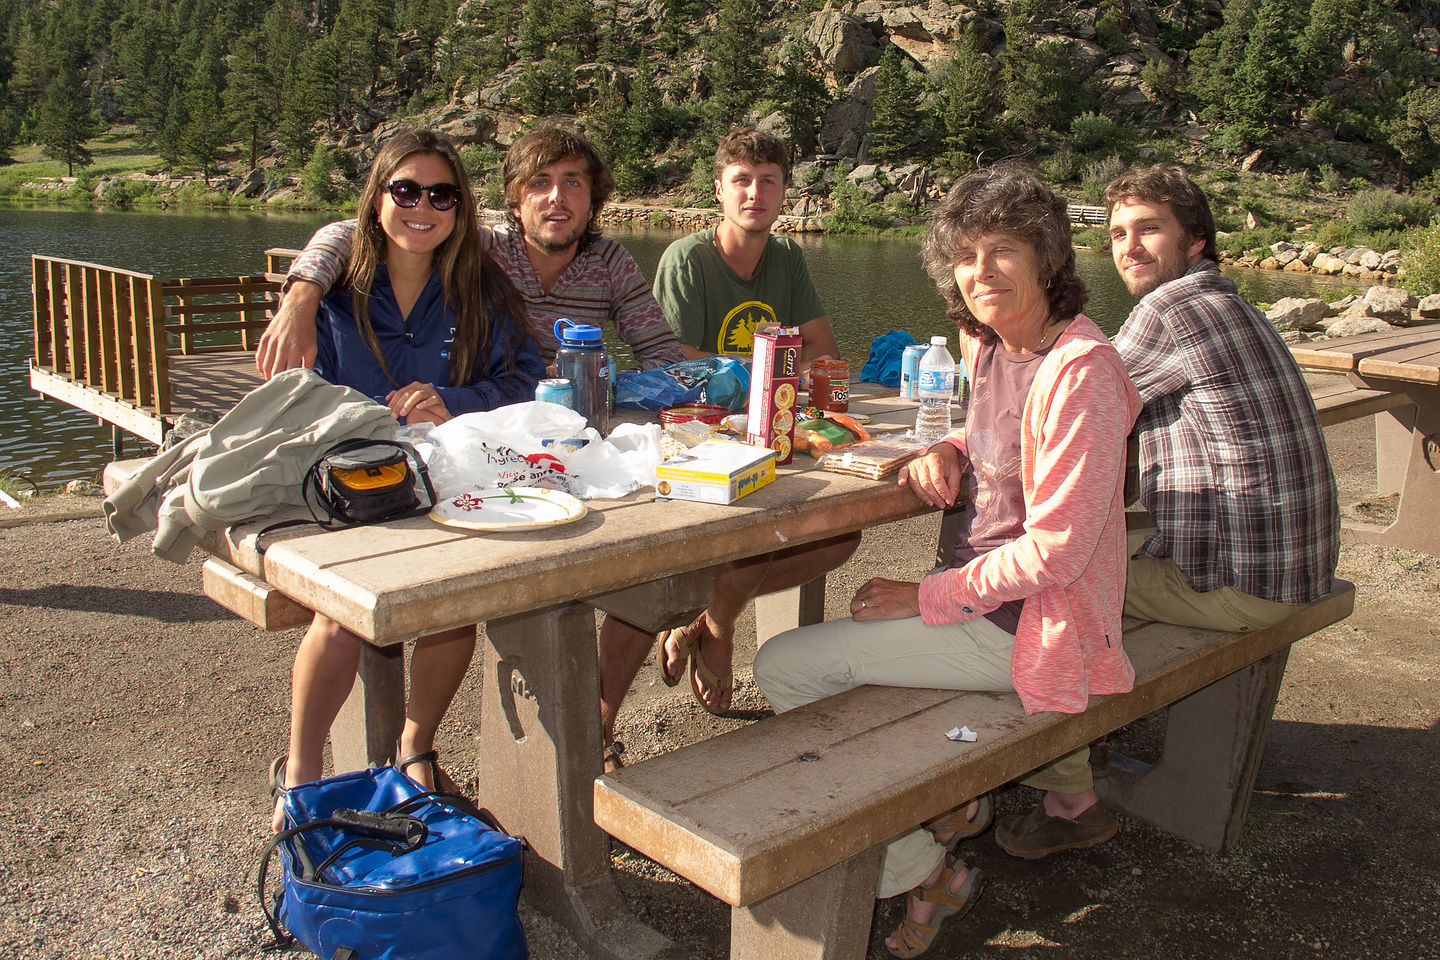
<point>1043,88</point>
<point>895,111</point>
<point>735,67</point>
<point>965,108</point>
<point>803,98</point>
<point>205,132</point>
<point>249,91</point>
<point>67,121</point>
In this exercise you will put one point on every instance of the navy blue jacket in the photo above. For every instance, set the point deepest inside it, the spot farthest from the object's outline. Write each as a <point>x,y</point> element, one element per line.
<point>419,350</point>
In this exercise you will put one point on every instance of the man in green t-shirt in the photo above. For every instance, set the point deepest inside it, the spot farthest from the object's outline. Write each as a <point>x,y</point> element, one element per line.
<point>716,287</point>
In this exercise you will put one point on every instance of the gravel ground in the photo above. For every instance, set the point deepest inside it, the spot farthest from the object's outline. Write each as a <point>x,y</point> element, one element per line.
<point>137,720</point>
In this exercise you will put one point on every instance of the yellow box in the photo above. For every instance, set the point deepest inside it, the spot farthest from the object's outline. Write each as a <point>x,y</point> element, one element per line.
<point>716,471</point>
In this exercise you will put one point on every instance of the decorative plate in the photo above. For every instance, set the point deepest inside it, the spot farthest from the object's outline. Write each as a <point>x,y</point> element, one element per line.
<point>508,508</point>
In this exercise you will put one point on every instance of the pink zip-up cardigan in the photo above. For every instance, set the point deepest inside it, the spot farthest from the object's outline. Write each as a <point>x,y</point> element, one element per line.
<point>1069,564</point>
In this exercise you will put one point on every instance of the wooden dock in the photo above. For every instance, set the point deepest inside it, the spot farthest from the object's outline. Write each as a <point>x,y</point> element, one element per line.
<point>139,351</point>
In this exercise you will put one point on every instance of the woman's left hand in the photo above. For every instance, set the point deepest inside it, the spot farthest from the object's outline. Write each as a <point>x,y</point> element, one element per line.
<point>881,599</point>
<point>417,403</point>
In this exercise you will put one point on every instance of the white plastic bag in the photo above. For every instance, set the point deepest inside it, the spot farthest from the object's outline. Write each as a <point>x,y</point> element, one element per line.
<point>522,445</point>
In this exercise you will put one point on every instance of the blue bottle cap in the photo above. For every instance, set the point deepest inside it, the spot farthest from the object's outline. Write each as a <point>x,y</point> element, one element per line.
<point>572,334</point>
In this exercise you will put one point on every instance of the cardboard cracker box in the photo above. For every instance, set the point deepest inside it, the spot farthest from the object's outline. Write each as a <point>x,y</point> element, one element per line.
<point>774,386</point>
<point>716,471</point>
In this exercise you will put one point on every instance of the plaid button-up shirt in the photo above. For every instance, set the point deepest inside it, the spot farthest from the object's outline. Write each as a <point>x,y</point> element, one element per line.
<point>1233,465</point>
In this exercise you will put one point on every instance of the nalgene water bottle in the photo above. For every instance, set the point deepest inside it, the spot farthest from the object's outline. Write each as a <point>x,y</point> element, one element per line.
<point>582,359</point>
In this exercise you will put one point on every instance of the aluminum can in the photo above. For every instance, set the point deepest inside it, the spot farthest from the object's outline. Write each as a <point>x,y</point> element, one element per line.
<point>910,370</point>
<point>556,390</point>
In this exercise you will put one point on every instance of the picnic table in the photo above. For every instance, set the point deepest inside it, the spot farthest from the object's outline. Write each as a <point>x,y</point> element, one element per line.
<point>639,557</point>
<point>1407,439</point>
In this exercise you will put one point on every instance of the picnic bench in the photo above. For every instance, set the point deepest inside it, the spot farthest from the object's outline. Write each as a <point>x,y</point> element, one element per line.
<point>785,819</point>
<point>138,351</point>
<point>1405,364</point>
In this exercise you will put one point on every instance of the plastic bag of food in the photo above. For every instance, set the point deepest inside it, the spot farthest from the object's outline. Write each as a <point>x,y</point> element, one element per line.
<point>723,381</point>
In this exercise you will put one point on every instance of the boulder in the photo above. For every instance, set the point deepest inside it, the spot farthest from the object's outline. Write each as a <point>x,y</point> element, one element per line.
<point>1430,307</point>
<point>846,43</point>
<point>1356,325</point>
<point>252,185</point>
<point>1309,252</point>
<point>1294,313</point>
<point>866,171</point>
<point>1369,259</point>
<point>1328,264</point>
<point>1391,304</point>
<point>843,127</point>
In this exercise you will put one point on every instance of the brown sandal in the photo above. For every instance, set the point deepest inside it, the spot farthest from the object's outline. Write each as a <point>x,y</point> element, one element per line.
<point>611,756</point>
<point>959,828</point>
<point>914,937</point>
<point>682,643</point>
<point>725,684</point>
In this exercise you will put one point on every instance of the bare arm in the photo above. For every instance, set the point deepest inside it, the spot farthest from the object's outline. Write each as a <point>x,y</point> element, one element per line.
<point>290,339</point>
<point>818,344</point>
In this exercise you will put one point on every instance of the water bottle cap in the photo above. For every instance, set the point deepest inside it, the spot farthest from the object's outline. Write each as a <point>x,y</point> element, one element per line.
<point>938,341</point>
<point>572,334</point>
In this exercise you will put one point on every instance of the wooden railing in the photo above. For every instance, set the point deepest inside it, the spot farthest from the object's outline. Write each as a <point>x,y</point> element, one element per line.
<point>1092,216</point>
<point>114,330</point>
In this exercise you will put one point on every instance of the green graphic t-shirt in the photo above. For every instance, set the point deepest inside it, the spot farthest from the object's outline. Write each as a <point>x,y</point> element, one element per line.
<point>712,309</point>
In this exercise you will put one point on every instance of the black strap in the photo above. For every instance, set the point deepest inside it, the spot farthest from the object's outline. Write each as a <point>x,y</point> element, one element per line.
<point>312,494</point>
<point>396,832</point>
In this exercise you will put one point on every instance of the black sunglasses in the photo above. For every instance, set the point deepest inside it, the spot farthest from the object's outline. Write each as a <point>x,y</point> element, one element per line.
<point>406,193</point>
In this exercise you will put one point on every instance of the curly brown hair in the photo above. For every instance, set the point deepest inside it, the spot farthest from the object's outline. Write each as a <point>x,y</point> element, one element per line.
<point>1168,184</point>
<point>472,281</point>
<point>549,143</point>
<point>1009,200</point>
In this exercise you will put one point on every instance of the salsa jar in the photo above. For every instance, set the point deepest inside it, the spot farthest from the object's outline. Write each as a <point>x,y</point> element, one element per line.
<point>830,385</point>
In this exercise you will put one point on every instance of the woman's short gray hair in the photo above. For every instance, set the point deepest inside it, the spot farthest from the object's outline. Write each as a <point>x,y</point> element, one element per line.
<point>1005,199</point>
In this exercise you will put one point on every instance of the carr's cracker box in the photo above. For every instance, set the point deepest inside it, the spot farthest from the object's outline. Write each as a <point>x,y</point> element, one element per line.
<point>774,384</point>
<point>716,471</point>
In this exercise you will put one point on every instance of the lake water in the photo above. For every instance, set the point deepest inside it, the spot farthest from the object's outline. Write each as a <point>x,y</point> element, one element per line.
<point>870,285</point>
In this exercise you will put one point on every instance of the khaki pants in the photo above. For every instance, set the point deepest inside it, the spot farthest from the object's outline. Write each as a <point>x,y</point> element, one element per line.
<point>1155,589</point>
<point>808,663</point>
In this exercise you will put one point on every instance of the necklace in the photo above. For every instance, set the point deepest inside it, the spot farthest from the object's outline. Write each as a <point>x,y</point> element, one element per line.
<point>1045,339</point>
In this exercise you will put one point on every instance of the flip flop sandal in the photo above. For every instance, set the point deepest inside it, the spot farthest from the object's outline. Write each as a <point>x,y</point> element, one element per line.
<point>611,756</point>
<point>441,779</point>
<point>725,684</point>
<point>682,643</point>
<point>277,788</point>
<point>960,828</point>
<point>915,938</point>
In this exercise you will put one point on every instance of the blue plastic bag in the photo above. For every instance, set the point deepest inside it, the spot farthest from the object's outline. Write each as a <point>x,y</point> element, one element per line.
<point>412,874</point>
<point>883,365</point>
<point>723,381</point>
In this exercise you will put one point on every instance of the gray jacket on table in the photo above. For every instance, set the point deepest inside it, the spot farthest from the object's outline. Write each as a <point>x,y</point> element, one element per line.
<point>249,464</point>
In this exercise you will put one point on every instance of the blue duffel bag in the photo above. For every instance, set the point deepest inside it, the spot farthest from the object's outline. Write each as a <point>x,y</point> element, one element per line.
<point>377,868</point>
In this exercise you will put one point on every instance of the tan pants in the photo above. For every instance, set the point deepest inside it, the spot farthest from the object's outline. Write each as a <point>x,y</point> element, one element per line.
<point>1155,589</point>
<point>808,663</point>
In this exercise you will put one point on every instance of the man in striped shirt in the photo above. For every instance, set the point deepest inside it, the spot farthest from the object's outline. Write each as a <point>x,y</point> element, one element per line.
<point>550,246</point>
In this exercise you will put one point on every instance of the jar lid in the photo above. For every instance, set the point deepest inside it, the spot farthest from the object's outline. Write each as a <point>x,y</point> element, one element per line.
<point>685,412</point>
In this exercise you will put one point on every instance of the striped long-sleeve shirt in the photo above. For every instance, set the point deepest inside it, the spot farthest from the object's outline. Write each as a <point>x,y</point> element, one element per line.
<point>602,286</point>
<point>1233,465</point>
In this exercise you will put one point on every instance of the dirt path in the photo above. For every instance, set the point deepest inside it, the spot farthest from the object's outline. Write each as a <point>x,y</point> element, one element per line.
<point>137,719</point>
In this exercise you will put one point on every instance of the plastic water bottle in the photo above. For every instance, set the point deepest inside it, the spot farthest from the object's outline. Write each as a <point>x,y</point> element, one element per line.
<point>935,388</point>
<point>583,360</point>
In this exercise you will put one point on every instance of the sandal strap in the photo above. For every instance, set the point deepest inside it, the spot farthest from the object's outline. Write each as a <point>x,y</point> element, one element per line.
<point>431,757</point>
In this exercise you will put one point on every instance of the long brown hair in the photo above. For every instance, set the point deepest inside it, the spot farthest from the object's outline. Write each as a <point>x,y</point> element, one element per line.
<point>469,277</point>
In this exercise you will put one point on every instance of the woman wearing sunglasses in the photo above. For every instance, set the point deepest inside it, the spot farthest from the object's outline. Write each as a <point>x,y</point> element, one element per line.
<point>427,324</point>
<point>425,321</point>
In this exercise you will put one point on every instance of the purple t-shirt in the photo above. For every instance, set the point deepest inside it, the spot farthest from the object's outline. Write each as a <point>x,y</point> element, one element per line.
<point>995,510</point>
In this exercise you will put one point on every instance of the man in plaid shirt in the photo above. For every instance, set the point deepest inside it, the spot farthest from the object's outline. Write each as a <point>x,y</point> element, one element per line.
<point>1233,465</point>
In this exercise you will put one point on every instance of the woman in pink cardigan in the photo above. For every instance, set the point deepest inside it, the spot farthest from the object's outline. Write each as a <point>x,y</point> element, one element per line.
<point>1032,600</point>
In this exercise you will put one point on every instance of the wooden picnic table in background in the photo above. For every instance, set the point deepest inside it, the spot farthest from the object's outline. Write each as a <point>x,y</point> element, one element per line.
<point>1404,362</point>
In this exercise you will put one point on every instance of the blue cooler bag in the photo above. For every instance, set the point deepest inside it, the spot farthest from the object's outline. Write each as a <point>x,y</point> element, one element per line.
<point>377,868</point>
